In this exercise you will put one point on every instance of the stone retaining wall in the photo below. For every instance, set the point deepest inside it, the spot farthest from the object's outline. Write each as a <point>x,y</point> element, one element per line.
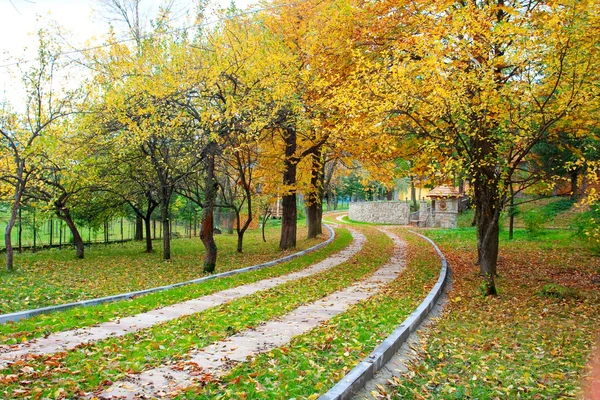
<point>383,212</point>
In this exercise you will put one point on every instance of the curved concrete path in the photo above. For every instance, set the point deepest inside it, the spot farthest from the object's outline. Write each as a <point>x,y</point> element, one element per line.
<point>215,360</point>
<point>67,340</point>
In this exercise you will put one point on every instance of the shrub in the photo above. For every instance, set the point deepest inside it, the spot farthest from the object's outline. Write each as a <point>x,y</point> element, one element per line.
<point>557,207</point>
<point>556,291</point>
<point>534,221</point>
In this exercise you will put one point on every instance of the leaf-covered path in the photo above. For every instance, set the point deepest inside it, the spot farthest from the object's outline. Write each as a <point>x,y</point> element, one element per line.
<point>216,359</point>
<point>63,341</point>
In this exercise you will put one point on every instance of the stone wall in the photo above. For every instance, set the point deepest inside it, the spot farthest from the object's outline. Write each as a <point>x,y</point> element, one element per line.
<point>384,212</point>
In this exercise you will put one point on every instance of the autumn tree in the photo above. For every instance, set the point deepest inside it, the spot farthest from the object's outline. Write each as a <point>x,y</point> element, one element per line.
<point>480,83</point>
<point>47,100</point>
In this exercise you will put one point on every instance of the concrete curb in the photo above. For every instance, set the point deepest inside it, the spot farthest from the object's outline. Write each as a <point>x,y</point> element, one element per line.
<point>16,316</point>
<point>366,370</point>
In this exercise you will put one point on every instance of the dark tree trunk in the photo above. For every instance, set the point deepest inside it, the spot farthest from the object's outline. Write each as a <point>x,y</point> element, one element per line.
<point>51,232</point>
<point>288,203</point>
<point>314,198</point>
<point>574,175</point>
<point>65,215</point>
<point>512,211</point>
<point>206,231</point>
<point>106,232</point>
<point>34,231</point>
<point>487,200</point>
<point>149,248</point>
<point>20,230</point>
<point>266,216</point>
<point>413,194</point>
<point>139,228</point>
<point>242,229</point>
<point>164,212</point>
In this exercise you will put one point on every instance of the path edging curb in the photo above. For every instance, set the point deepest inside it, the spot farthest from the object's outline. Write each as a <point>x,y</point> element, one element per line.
<point>356,379</point>
<point>19,315</point>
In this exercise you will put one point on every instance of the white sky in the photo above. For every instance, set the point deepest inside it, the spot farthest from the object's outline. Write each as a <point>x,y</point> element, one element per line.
<point>20,19</point>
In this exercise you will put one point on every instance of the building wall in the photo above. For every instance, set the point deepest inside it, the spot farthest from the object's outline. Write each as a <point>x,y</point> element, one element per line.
<point>384,212</point>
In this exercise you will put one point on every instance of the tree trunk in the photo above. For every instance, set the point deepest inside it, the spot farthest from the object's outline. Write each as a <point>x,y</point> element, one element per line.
<point>149,248</point>
<point>34,231</point>
<point>139,228</point>
<point>413,194</point>
<point>65,215</point>
<point>20,230</point>
<point>314,209</point>
<point>511,225</point>
<point>574,186</point>
<point>11,223</point>
<point>584,184</point>
<point>487,219</point>
<point>242,230</point>
<point>288,203</point>
<point>164,212</point>
<point>206,231</point>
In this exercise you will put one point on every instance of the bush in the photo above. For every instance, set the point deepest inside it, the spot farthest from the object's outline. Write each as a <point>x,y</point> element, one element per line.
<point>587,225</point>
<point>556,291</point>
<point>534,221</point>
<point>557,207</point>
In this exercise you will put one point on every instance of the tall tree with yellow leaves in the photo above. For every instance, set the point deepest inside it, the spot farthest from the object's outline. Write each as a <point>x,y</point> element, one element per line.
<point>479,84</point>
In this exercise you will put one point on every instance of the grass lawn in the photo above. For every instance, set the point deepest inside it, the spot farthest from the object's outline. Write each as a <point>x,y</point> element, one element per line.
<point>41,325</point>
<point>531,341</point>
<point>315,361</point>
<point>94,366</point>
<point>55,277</point>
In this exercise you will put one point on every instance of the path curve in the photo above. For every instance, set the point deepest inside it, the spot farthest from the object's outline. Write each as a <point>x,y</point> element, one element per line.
<point>67,340</point>
<point>358,377</point>
<point>216,359</point>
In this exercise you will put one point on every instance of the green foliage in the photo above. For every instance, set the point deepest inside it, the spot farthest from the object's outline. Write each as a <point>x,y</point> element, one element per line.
<point>555,208</point>
<point>587,226</point>
<point>558,291</point>
<point>534,221</point>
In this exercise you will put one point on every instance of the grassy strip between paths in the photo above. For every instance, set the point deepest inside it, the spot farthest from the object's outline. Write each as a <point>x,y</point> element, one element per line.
<point>94,366</point>
<point>44,324</point>
<point>532,341</point>
<point>314,362</point>
<point>52,277</point>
